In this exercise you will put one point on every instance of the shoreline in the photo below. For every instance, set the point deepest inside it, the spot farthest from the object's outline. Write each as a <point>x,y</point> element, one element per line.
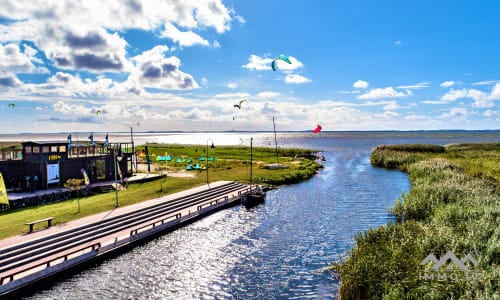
<point>230,164</point>
<point>449,213</point>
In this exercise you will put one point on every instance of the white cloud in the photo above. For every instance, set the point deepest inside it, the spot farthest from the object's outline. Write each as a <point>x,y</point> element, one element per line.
<point>398,43</point>
<point>447,84</point>
<point>85,35</point>
<point>487,82</point>
<point>481,99</point>
<point>360,84</point>
<point>296,78</point>
<point>232,85</point>
<point>258,63</point>
<point>455,112</point>
<point>454,95</point>
<point>387,92</point>
<point>417,86</point>
<point>268,94</point>
<point>489,113</point>
<point>8,80</point>
<point>153,69</point>
<point>348,92</point>
<point>14,60</point>
<point>390,114</point>
<point>495,92</point>
<point>434,102</point>
<point>392,106</point>
<point>183,38</point>
<point>204,82</point>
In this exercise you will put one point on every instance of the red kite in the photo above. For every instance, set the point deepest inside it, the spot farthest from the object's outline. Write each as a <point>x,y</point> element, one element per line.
<point>317,129</point>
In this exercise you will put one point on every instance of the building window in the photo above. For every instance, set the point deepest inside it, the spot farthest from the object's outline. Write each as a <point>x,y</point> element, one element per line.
<point>53,148</point>
<point>62,148</point>
<point>45,149</point>
<point>36,149</point>
<point>27,149</point>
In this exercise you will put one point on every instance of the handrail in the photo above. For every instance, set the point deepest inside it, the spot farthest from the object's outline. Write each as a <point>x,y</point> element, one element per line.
<point>65,256</point>
<point>135,231</point>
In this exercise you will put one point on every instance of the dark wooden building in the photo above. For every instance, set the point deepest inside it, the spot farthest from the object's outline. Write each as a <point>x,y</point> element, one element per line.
<point>47,164</point>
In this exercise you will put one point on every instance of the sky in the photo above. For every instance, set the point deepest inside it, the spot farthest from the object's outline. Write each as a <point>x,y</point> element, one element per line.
<point>152,65</point>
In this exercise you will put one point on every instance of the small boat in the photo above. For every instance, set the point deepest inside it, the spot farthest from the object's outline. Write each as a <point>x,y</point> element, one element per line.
<point>253,197</point>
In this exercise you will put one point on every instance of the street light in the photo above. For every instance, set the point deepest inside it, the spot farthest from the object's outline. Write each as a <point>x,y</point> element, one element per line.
<point>119,158</point>
<point>207,156</point>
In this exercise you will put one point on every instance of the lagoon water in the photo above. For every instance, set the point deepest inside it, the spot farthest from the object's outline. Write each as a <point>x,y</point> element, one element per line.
<point>275,250</point>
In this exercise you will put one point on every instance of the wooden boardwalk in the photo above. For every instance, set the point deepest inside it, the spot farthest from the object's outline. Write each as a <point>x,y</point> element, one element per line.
<point>30,258</point>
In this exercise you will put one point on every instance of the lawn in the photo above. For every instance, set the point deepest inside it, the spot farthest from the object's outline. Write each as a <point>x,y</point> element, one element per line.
<point>231,163</point>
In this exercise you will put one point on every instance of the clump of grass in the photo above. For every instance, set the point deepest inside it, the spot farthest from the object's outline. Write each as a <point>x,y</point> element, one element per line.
<point>449,208</point>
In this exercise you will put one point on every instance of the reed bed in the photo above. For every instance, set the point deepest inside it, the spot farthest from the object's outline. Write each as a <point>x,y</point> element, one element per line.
<point>452,206</point>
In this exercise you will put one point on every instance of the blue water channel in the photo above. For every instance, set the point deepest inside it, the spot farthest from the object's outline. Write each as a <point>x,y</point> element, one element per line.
<point>277,250</point>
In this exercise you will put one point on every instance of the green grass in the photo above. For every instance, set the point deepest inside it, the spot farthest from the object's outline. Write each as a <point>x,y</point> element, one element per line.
<point>453,205</point>
<point>232,163</point>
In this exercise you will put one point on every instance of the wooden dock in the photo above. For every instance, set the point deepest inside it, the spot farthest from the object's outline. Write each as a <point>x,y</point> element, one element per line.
<point>34,257</point>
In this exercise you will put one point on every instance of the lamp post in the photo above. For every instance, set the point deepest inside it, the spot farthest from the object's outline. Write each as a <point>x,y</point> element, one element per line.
<point>134,156</point>
<point>116,158</point>
<point>212,147</point>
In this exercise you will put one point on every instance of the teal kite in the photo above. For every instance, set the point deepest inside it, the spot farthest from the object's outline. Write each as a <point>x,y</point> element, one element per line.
<point>281,57</point>
<point>13,105</point>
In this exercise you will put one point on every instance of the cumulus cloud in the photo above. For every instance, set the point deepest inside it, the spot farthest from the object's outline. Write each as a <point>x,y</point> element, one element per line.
<point>296,78</point>
<point>388,92</point>
<point>481,99</point>
<point>258,63</point>
<point>455,112</point>
<point>13,59</point>
<point>183,38</point>
<point>86,35</point>
<point>489,113</point>
<point>232,85</point>
<point>153,69</point>
<point>447,84</point>
<point>360,84</point>
<point>8,80</point>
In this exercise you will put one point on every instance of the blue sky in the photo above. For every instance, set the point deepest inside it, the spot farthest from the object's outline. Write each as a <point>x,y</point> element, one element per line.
<point>182,65</point>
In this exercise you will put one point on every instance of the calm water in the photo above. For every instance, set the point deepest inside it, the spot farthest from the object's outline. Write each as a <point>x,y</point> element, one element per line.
<point>276,250</point>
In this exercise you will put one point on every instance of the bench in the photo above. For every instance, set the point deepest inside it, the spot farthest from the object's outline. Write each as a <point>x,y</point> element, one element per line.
<point>49,221</point>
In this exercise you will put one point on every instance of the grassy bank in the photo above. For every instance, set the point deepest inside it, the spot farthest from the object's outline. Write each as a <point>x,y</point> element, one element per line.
<point>453,205</point>
<point>231,163</point>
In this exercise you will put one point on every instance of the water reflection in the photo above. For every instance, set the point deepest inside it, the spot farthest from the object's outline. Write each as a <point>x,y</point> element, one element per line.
<point>276,250</point>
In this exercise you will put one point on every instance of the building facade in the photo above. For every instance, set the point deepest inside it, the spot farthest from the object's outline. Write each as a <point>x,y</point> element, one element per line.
<point>46,164</point>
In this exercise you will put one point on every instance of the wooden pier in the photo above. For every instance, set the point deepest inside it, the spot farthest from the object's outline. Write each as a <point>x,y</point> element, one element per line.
<point>34,257</point>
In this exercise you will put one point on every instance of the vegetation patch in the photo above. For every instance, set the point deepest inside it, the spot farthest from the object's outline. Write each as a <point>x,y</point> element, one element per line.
<point>452,207</point>
<point>231,163</point>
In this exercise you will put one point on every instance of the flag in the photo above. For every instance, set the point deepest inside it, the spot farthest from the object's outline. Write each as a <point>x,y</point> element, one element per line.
<point>91,138</point>
<point>3,192</point>
<point>85,176</point>
<point>106,141</point>
<point>69,142</point>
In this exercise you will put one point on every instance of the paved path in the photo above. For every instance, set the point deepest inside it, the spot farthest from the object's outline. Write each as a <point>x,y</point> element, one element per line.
<point>101,216</point>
